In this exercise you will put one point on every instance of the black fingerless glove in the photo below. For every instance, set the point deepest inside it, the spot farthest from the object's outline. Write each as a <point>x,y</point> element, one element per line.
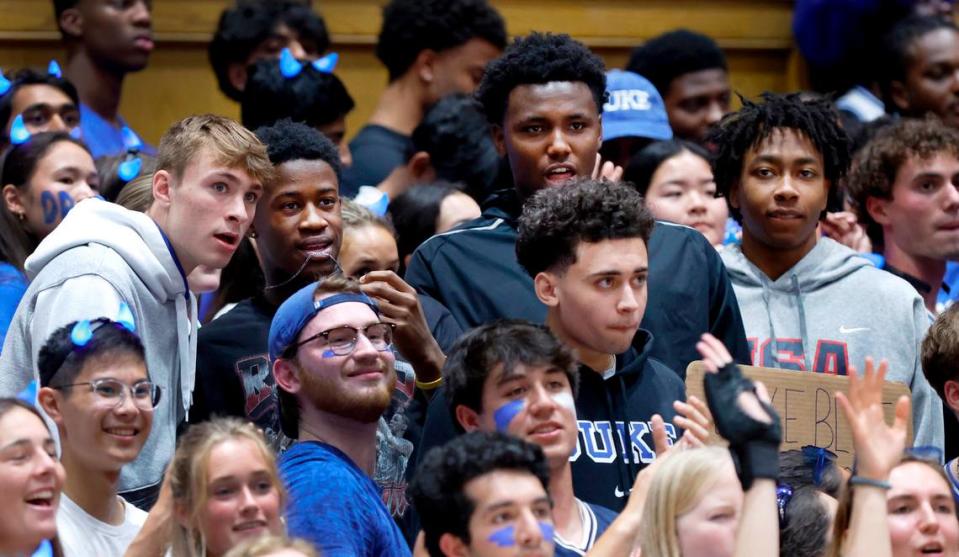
<point>754,443</point>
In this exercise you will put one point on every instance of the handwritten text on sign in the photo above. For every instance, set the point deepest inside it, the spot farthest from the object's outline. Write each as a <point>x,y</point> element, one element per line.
<point>807,406</point>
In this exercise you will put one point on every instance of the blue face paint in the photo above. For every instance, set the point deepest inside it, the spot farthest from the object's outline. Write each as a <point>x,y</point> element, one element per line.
<point>328,354</point>
<point>289,66</point>
<point>326,63</point>
<point>505,414</point>
<point>547,530</point>
<point>49,205</point>
<point>504,537</point>
<point>18,131</point>
<point>130,169</point>
<point>5,84</point>
<point>54,69</point>
<point>66,203</point>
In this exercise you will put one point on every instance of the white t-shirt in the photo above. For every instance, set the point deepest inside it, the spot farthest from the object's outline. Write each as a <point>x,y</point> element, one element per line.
<point>84,536</point>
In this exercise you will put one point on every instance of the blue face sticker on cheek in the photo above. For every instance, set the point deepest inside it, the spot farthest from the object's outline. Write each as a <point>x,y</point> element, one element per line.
<point>505,414</point>
<point>547,530</point>
<point>328,354</point>
<point>504,537</point>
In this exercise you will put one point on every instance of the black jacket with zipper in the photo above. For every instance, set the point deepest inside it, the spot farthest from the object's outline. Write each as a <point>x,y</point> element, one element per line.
<point>473,271</point>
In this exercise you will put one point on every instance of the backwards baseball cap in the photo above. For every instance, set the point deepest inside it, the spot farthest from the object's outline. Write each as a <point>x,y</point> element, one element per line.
<point>299,309</point>
<point>634,108</point>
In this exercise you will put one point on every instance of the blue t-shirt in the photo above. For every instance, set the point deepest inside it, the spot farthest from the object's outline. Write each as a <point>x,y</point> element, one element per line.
<point>12,286</point>
<point>596,520</point>
<point>336,506</point>
<point>103,138</point>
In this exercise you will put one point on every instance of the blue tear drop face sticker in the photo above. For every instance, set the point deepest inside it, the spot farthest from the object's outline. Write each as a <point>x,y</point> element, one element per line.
<point>327,63</point>
<point>18,131</point>
<point>507,413</point>
<point>504,537</point>
<point>289,66</point>
<point>81,333</point>
<point>130,168</point>
<point>5,84</point>
<point>53,69</point>
<point>76,133</point>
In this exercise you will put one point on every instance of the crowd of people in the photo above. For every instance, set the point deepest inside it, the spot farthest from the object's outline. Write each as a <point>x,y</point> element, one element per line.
<point>466,330</point>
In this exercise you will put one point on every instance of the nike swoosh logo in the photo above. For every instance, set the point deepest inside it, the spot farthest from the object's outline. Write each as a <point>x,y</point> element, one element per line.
<point>846,330</point>
<point>618,493</point>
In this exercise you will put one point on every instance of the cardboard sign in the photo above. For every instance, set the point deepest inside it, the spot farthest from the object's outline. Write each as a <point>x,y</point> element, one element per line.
<point>807,406</point>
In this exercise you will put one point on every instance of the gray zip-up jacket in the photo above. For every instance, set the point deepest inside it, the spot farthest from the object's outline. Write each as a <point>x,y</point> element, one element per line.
<point>829,312</point>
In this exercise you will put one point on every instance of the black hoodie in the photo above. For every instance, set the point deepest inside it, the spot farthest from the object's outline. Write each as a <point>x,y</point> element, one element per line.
<point>603,472</point>
<point>473,271</point>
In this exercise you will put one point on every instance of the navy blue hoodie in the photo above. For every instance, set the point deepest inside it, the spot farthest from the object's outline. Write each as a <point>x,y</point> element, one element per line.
<point>473,271</point>
<point>603,472</point>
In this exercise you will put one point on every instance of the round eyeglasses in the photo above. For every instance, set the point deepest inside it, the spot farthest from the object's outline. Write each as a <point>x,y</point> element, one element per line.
<point>341,341</point>
<point>112,393</point>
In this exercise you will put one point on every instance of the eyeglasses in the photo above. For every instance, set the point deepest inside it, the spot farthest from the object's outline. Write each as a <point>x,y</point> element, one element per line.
<point>112,393</point>
<point>342,340</point>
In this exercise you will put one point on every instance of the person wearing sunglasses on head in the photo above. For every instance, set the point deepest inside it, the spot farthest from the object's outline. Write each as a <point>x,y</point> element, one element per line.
<point>96,389</point>
<point>333,365</point>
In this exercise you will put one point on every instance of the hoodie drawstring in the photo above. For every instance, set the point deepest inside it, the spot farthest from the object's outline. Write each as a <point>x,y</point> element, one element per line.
<point>186,335</point>
<point>617,441</point>
<point>803,333</point>
<point>630,474</point>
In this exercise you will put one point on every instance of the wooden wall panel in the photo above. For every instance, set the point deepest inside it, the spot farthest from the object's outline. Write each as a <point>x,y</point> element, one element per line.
<point>178,81</point>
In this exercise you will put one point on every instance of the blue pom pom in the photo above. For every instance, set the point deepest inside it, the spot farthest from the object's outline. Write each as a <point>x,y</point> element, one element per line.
<point>326,63</point>
<point>289,66</point>
<point>81,333</point>
<point>129,169</point>
<point>18,131</point>
<point>54,69</point>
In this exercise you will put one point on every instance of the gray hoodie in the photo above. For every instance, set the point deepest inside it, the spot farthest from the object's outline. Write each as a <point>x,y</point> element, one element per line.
<point>102,254</point>
<point>829,312</point>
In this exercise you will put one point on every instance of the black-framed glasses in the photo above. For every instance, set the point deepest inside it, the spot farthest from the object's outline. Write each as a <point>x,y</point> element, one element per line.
<point>111,392</point>
<point>341,341</point>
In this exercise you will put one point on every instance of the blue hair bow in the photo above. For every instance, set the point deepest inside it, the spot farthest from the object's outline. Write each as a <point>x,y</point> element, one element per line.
<point>818,459</point>
<point>82,332</point>
<point>291,67</point>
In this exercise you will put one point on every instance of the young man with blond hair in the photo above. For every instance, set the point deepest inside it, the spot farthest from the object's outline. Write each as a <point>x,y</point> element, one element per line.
<point>210,173</point>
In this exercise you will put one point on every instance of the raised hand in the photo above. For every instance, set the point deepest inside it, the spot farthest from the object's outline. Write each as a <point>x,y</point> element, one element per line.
<point>878,446</point>
<point>607,171</point>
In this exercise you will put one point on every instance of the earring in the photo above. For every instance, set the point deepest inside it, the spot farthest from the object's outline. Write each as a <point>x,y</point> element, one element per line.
<point>22,217</point>
<point>252,234</point>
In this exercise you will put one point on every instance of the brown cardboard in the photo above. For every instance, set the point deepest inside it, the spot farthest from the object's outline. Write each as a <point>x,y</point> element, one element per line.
<point>807,406</point>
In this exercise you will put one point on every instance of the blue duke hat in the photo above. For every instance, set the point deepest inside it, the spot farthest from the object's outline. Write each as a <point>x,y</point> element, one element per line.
<point>634,108</point>
<point>299,309</point>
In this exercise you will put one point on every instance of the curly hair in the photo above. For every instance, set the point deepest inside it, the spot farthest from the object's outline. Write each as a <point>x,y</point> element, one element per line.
<point>670,55</point>
<point>438,488</point>
<point>876,165</point>
<point>536,59</point>
<point>290,141</point>
<point>896,48</point>
<point>412,26</point>
<point>507,343</point>
<point>940,350</point>
<point>556,220</point>
<point>311,97</point>
<point>244,26</point>
<point>812,118</point>
<point>456,135</point>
